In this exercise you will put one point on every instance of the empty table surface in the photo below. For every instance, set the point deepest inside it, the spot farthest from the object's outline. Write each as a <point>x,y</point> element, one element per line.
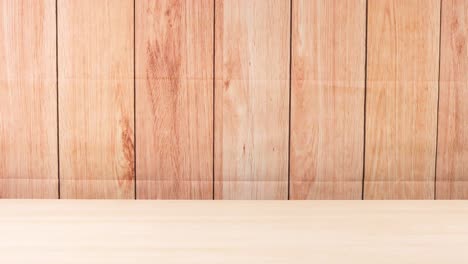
<point>128,231</point>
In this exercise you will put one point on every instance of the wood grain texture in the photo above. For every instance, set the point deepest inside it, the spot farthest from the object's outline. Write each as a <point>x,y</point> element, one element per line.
<point>402,91</point>
<point>452,150</point>
<point>251,99</point>
<point>95,44</point>
<point>28,100</point>
<point>327,98</point>
<point>233,232</point>
<point>174,99</point>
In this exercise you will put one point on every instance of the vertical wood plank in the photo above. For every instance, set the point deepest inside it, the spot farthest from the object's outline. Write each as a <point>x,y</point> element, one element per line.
<point>402,92</point>
<point>452,156</point>
<point>95,45</point>
<point>28,100</point>
<point>251,99</point>
<point>327,98</point>
<point>174,99</point>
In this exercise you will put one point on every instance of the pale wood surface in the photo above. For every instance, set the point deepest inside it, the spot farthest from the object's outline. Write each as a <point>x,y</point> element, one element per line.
<point>452,150</point>
<point>402,91</point>
<point>95,58</point>
<point>68,231</point>
<point>327,99</point>
<point>174,99</point>
<point>251,99</point>
<point>28,100</point>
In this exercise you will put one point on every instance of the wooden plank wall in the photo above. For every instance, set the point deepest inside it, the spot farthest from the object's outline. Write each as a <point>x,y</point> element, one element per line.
<point>251,99</point>
<point>28,104</point>
<point>452,151</point>
<point>327,104</point>
<point>95,77</point>
<point>402,95</point>
<point>234,99</point>
<point>174,95</point>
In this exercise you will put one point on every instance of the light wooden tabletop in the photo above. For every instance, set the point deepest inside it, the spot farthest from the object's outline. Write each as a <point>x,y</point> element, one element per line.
<point>72,231</point>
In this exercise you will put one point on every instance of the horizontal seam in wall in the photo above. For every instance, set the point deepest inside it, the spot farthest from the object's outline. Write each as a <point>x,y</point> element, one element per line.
<point>114,180</point>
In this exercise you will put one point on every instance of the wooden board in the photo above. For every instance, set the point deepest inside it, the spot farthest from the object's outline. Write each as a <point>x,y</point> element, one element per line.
<point>174,99</point>
<point>327,99</point>
<point>28,100</point>
<point>95,58</point>
<point>452,150</point>
<point>251,99</point>
<point>402,91</point>
<point>228,232</point>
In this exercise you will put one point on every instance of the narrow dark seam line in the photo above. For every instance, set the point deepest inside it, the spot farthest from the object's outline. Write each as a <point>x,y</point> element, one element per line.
<point>365,106</point>
<point>438,100</point>
<point>290,77</point>
<point>57,101</point>
<point>213,99</point>
<point>134,104</point>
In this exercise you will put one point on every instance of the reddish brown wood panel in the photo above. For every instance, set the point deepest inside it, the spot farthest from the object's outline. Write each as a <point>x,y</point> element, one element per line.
<point>452,150</point>
<point>251,99</point>
<point>402,93</point>
<point>327,103</point>
<point>28,100</point>
<point>95,58</point>
<point>174,99</point>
